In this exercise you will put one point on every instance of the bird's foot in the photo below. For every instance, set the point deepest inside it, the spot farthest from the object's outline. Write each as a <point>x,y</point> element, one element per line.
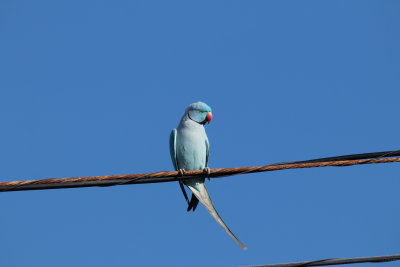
<point>181,172</point>
<point>207,172</point>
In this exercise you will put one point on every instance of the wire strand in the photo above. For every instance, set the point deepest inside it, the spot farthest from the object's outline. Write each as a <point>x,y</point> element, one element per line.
<point>169,176</point>
<point>325,262</point>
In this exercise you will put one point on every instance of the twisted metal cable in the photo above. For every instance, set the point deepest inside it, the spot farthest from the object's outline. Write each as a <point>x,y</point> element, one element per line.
<point>169,176</point>
<point>334,261</point>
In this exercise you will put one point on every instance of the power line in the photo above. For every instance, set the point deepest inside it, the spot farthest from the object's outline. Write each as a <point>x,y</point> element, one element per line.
<point>384,154</point>
<point>169,176</point>
<point>334,261</point>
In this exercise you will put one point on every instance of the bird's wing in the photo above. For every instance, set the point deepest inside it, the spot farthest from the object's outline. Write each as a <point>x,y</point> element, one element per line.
<point>172,148</point>
<point>172,151</point>
<point>205,199</point>
<point>207,150</point>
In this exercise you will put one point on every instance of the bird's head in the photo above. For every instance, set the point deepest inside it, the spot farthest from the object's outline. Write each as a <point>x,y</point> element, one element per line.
<point>199,112</point>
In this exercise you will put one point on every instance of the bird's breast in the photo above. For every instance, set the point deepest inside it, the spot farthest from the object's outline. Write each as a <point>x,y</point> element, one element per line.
<point>191,149</point>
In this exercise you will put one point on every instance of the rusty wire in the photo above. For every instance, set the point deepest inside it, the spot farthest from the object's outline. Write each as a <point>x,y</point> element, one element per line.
<point>169,176</point>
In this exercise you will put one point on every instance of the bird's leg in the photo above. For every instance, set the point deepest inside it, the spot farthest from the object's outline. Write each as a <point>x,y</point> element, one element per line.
<point>207,172</point>
<point>181,172</point>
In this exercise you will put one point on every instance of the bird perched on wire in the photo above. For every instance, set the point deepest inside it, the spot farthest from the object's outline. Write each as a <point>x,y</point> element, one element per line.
<point>189,148</point>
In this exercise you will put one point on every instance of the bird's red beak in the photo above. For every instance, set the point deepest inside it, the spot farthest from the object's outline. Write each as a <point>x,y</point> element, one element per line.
<point>209,117</point>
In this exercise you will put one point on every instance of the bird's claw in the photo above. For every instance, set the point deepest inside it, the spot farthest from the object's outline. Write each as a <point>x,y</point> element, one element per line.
<point>207,172</point>
<point>181,172</point>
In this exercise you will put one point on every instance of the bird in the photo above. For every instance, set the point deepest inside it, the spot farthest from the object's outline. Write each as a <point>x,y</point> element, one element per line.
<point>189,149</point>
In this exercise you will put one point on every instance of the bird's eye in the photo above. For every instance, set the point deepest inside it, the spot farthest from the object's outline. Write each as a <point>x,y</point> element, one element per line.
<point>201,111</point>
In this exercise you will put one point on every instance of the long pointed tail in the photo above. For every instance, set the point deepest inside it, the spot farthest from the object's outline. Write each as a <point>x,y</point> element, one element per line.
<point>205,199</point>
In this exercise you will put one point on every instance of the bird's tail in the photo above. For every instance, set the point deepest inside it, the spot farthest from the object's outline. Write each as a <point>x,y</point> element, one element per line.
<point>205,199</point>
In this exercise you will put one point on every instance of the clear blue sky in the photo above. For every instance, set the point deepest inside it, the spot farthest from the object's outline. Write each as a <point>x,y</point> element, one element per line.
<point>95,87</point>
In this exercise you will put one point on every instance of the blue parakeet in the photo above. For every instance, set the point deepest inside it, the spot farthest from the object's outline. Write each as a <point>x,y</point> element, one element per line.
<point>189,148</point>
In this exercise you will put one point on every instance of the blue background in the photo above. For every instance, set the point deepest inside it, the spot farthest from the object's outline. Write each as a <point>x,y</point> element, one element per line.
<point>95,87</point>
